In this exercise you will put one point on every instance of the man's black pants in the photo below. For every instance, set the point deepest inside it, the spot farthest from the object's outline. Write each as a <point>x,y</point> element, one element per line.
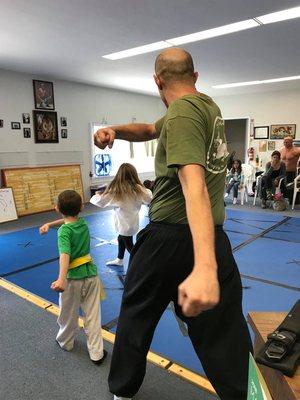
<point>160,260</point>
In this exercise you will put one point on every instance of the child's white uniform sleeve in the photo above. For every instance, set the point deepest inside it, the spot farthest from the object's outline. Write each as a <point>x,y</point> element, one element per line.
<point>101,201</point>
<point>147,196</point>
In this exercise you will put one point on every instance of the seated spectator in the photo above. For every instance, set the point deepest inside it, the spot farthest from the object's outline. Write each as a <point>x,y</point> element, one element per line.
<point>235,180</point>
<point>275,171</point>
<point>230,160</point>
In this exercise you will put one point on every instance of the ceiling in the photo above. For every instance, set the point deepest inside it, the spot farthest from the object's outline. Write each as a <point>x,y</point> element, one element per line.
<point>66,40</point>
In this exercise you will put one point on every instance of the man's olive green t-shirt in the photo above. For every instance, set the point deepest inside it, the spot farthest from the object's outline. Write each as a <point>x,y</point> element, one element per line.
<point>74,239</point>
<point>192,132</point>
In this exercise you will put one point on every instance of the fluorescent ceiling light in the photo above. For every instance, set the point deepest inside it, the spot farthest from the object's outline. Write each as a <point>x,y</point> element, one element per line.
<point>279,16</point>
<point>261,82</point>
<point>210,33</point>
<point>138,50</point>
<point>236,84</point>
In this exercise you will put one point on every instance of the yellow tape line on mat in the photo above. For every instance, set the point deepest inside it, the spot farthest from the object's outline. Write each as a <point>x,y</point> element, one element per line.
<point>191,377</point>
<point>156,359</point>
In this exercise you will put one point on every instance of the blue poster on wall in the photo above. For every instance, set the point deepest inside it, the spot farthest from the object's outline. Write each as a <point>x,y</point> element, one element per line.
<point>103,164</point>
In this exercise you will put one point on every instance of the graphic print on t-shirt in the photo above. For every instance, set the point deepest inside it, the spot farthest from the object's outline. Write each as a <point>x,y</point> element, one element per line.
<point>216,158</point>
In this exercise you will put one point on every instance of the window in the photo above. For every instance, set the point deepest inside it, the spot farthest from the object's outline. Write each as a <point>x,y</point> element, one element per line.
<point>107,162</point>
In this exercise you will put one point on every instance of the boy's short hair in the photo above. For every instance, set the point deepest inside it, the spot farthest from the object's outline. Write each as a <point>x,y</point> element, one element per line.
<point>69,203</point>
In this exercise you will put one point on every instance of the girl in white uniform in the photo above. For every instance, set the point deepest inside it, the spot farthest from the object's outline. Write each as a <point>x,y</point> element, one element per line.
<point>126,194</point>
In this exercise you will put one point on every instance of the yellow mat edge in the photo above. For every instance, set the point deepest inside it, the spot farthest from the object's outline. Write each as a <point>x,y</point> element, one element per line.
<point>192,377</point>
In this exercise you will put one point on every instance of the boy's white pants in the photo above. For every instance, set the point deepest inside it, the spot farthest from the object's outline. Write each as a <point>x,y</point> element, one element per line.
<point>84,293</point>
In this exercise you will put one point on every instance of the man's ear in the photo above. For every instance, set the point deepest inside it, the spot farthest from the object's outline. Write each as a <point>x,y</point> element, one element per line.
<point>56,208</point>
<point>158,82</point>
<point>196,76</point>
<point>82,207</point>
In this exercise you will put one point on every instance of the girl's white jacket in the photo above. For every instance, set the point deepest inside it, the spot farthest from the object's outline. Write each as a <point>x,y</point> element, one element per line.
<point>126,211</point>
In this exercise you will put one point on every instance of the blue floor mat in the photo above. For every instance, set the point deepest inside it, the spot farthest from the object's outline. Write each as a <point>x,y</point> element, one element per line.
<point>290,231</point>
<point>265,297</point>
<point>237,238</point>
<point>255,217</point>
<point>247,227</point>
<point>294,221</point>
<point>269,259</point>
<point>25,248</point>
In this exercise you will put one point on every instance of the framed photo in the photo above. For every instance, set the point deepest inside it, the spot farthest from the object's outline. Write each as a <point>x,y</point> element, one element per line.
<point>271,145</point>
<point>45,127</point>
<point>1,123</point>
<point>63,121</point>
<point>26,118</point>
<point>262,146</point>
<point>64,133</point>
<point>261,132</point>
<point>283,130</point>
<point>27,133</point>
<point>15,125</point>
<point>43,95</point>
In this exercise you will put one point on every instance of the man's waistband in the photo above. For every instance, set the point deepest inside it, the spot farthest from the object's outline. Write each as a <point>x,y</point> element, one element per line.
<point>164,224</point>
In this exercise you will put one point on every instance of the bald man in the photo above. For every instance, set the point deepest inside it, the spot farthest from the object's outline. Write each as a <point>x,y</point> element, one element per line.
<point>290,155</point>
<point>183,255</point>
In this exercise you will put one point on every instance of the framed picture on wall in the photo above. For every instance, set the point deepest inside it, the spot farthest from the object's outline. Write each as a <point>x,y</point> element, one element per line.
<point>26,133</point>
<point>15,125</point>
<point>261,132</point>
<point>26,118</point>
<point>262,146</point>
<point>64,133</point>
<point>45,127</point>
<point>271,145</point>
<point>43,95</point>
<point>283,130</point>
<point>63,121</point>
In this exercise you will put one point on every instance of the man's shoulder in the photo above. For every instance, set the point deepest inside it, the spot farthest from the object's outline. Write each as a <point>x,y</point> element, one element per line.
<point>188,106</point>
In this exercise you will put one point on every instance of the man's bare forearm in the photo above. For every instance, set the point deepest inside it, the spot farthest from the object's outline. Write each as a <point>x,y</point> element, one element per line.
<point>135,132</point>
<point>199,216</point>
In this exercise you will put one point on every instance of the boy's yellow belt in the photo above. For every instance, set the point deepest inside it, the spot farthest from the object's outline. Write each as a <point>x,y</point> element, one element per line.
<point>80,261</point>
<point>83,260</point>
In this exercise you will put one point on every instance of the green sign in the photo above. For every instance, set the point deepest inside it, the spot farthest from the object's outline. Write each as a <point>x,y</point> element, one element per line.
<point>257,388</point>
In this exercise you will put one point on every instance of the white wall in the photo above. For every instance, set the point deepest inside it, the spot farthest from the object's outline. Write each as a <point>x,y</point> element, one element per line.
<point>268,108</point>
<point>80,104</point>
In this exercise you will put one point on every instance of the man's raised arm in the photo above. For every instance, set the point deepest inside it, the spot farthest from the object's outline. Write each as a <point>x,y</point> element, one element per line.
<point>131,132</point>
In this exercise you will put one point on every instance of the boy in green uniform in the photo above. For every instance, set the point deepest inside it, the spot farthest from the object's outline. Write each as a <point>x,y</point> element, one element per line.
<point>78,281</point>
